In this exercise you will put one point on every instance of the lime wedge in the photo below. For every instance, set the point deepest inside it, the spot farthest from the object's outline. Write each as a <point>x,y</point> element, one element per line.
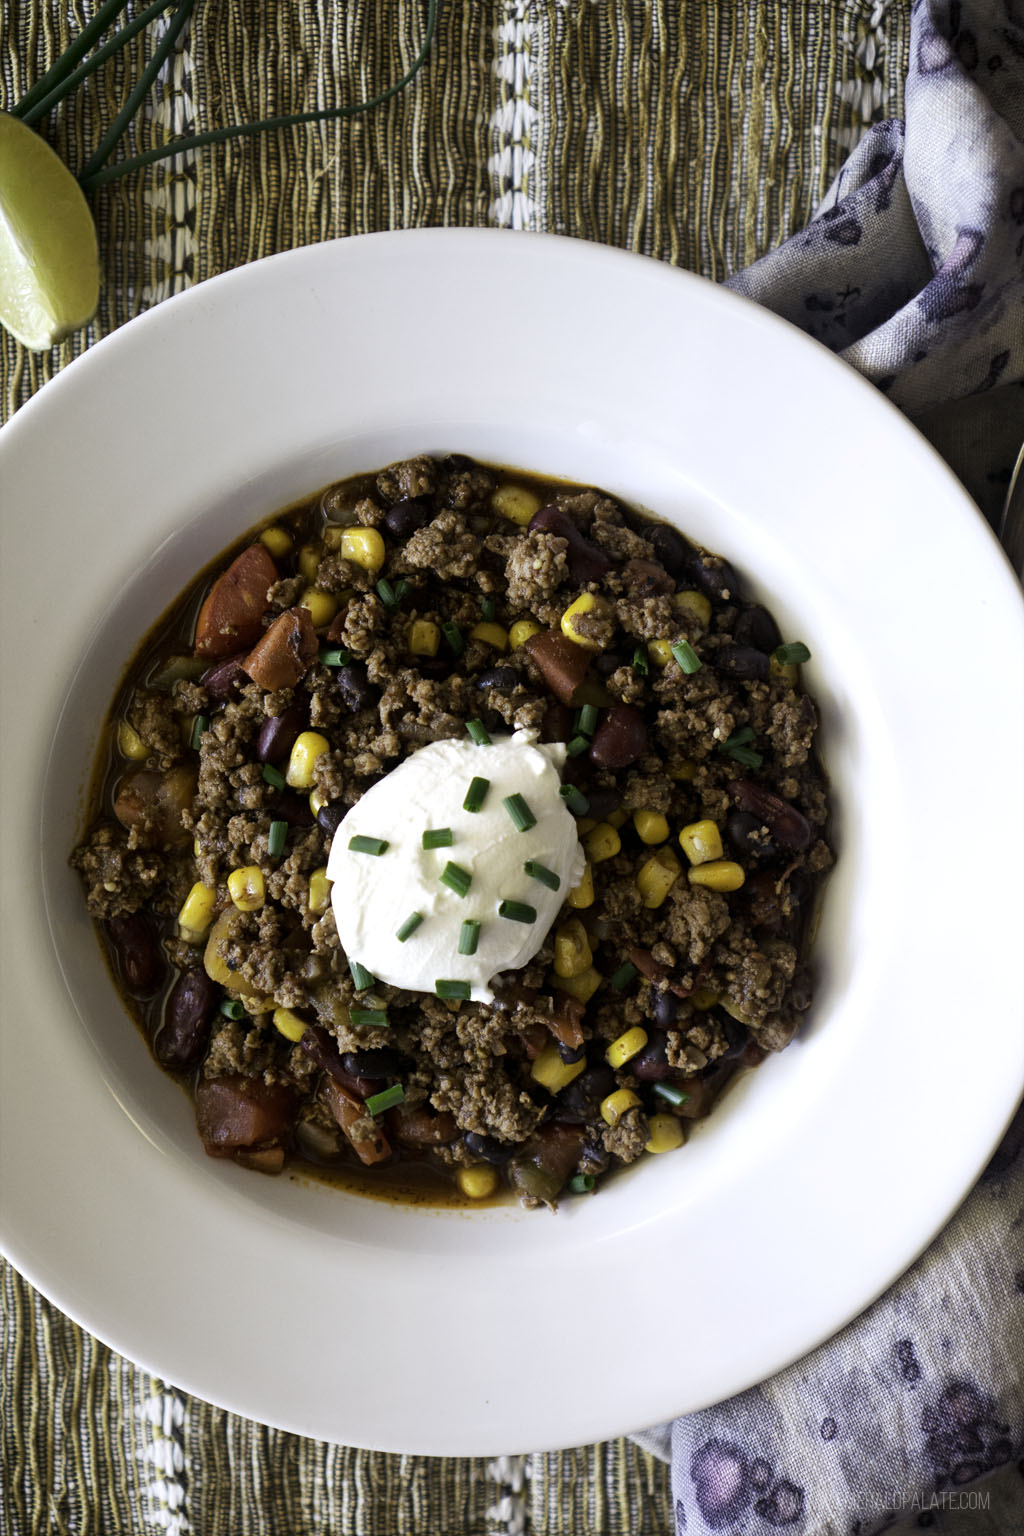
<point>49,259</point>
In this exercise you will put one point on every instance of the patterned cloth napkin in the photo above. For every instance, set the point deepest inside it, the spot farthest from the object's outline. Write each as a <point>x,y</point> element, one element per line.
<point>913,271</point>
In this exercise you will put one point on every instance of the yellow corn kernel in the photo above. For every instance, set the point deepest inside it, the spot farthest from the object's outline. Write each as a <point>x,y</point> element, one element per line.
<point>684,772</point>
<point>617,818</point>
<point>602,843</point>
<point>363,546</point>
<point>322,606</point>
<point>666,1133</point>
<point>701,841</point>
<point>587,602</point>
<point>491,634</point>
<point>626,1047</point>
<point>573,954</point>
<point>130,744</point>
<point>246,888</point>
<point>703,999</point>
<point>317,801</point>
<point>309,559</point>
<point>660,652</point>
<point>309,745</point>
<point>783,672</point>
<point>289,1024</point>
<point>319,890</point>
<point>332,536</point>
<point>196,913</point>
<point>276,541</point>
<point>616,1104</point>
<point>424,637</point>
<point>651,826</point>
<point>720,875</point>
<point>583,895</point>
<point>552,1072</point>
<point>516,503</point>
<point>585,824</point>
<point>197,847</point>
<point>694,603</point>
<point>581,987</point>
<point>478,1181</point>
<point>521,631</point>
<point>658,876</point>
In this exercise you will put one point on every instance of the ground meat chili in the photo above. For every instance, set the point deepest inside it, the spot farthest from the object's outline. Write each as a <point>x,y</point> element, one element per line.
<point>380,616</point>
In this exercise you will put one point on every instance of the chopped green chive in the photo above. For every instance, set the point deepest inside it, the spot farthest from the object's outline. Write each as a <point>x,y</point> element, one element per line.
<point>578,746</point>
<point>409,927</point>
<point>574,799</point>
<point>641,663</point>
<point>368,1018</point>
<point>387,595</point>
<point>522,817</point>
<point>401,588</point>
<point>276,838</point>
<point>361,977</point>
<point>488,611</point>
<point>374,845</point>
<point>334,656</point>
<point>581,1183</point>
<point>686,656</point>
<point>231,1008</point>
<point>517,912</point>
<point>200,724</point>
<point>438,837</point>
<point>453,634</point>
<point>622,977</point>
<point>736,747</point>
<point>456,878</point>
<point>746,756</point>
<point>670,1093</point>
<point>792,654</point>
<point>740,738</point>
<point>542,873</point>
<point>469,936</point>
<point>587,722</point>
<point>478,731</point>
<point>452,989</point>
<point>377,1103</point>
<point>476,794</point>
<point>273,776</point>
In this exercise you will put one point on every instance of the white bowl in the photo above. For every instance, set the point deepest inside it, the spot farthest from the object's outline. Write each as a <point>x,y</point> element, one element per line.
<point>825,1172</point>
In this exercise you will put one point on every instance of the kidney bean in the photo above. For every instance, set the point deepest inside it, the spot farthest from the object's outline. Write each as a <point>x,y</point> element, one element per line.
<point>743,663</point>
<point>585,560</point>
<point>278,732</point>
<point>406,516</point>
<point>138,953</point>
<point>755,626</point>
<point>225,679</point>
<point>382,1062</point>
<point>241,1112</point>
<point>330,817</point>
<point>284,654</point>
<point>714,577</point>
<point>487,1147</point>
<point>188,1014</point>
<point>746,834</point>
<point>651,1064</point>
<point>295,812</point>
<point>620,738</point>
<point>666,1009</point>
<point>434,667</point>
<point>561,662</point>
<point>556,723</point>
<point>671,549</point>
<point>579,1100</point>
<point>504,679</point>
<point>788,826</point>
<point>357,692</point>
<point>645,579</point>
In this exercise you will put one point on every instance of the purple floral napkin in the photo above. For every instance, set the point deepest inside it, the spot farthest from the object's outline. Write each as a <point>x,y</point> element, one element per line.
<point>913,272</point>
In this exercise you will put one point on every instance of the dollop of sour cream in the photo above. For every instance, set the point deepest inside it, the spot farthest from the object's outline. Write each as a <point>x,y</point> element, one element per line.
<point>376,895</point>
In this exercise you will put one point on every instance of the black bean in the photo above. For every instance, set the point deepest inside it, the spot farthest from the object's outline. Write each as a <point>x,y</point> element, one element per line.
<point>406,516</point>
<point>330,817</point>
<point>139,959</point>
<point>735,1033</point>
<point>666,1008</point>
<point>375,1064</point>
<point>188,1015</point>
<point>715,577</point>
<point>755,626</point>
<point>609,662</point>
<point>433,667</point>
<point>743,662</point>
<point>651,1064</point>
<point>487,1147</point>
<point>747,835</point>
<point>357,692</point>
<point>504,679</point>
<point>570,1053</point>
<point>578,1102</point>
<point>602,802</point>
<point>763,904</point>
<point>670,548</point>
<point>278,733</point>
<point>295,812</point>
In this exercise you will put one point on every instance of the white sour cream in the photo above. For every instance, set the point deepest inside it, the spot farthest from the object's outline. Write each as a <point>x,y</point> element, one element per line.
<point>374,895</point>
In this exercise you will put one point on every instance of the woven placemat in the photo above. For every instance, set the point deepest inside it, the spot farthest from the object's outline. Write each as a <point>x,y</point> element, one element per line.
<point>701,134</point>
